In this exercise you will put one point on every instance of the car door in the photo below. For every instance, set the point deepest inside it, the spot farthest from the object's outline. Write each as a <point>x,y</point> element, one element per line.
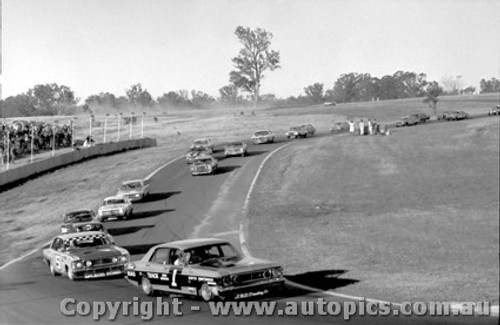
<point>57,257</point>
<point>157,268</point>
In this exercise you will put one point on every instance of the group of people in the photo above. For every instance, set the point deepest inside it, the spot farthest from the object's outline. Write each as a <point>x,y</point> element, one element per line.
<point>367,127</point>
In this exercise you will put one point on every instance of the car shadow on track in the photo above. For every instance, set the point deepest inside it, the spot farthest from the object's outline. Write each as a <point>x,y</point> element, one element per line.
<point>127,230</point>
<point>256,152</point>
<point>152,197</point>
<point>148,214</point>
<point>226,169</point>
<point>322,280</point>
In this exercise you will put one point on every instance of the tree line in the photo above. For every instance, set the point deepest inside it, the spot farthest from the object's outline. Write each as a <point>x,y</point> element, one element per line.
<point>250,64</point>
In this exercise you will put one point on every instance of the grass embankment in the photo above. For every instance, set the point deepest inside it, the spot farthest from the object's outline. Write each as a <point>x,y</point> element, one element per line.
<point>413,216</point>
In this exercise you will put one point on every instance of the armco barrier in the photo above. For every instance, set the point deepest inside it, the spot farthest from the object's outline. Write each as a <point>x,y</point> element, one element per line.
<point>24,172</point>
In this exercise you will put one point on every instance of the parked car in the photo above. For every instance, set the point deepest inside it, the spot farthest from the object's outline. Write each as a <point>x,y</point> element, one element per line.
<point>115,207</point>
<point>74,221</point>
<point>85,255</point>
<point>235,148</point>
<point>204,165</point>
<point>494,111</point>
<point>135,190</point>
<point>296,132</point>
<point>422,117</point>
<point>453,116</point>
<point>192,154</point>
<point>330,103</point>
<point>205,144</point>
<point>263,136</point>
<point>208,268</point>
<point>408,120</point>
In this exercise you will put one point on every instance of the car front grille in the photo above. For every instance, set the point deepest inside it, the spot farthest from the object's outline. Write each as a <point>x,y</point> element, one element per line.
<point>246,278</point>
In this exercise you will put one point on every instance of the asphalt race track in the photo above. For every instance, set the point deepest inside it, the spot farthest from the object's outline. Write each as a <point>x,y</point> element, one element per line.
<point>180,206</point>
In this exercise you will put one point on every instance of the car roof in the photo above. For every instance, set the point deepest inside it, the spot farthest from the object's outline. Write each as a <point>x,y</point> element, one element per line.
<point>191,243</point>
<point>116,197</point>
<point>82,234</point>
<point>201,139</point>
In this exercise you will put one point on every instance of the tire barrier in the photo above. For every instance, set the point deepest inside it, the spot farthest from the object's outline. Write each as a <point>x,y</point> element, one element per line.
<point>19,174</point>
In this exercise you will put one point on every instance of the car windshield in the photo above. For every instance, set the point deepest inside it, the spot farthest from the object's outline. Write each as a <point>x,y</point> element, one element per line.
<point>235,144</point>
<point>261,133</point>
<point>90,227</point>
<point>86,241</point>
<point>131,186</point>
<point>204,161</point>
<point>212,254</point>
<point>78,216</point>
<point>200,142</point>
<point>114,201</point>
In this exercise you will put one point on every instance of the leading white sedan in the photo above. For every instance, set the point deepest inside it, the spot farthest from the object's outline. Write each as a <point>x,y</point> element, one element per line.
<point>115,207</point>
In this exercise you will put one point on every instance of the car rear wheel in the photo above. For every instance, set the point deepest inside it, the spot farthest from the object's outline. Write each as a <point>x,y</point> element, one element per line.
<point>146,286</point>
<point>204,292</point>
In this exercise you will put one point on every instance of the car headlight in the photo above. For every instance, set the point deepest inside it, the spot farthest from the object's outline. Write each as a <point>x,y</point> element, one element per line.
<point>120,211</point>
<point>131,266</point>
<point>77,265</point>
<point>124,259</point>
<point>114,259</point>
<point>226,281</point>
<point>88,263</point>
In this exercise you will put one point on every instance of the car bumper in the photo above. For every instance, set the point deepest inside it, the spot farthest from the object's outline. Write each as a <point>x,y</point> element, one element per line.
<point>101,272</point>
<point>249,290</point>
<point>202,172</point>
<point>234,152</point>
<point>261,140</point>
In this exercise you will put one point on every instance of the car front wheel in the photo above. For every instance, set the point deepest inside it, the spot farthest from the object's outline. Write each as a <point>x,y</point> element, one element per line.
<point>146,286</point>
<point>53,270</point>
<point>204,292</point>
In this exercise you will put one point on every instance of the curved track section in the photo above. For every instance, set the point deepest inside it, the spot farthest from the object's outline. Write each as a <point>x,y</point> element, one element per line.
<point>180,206</point>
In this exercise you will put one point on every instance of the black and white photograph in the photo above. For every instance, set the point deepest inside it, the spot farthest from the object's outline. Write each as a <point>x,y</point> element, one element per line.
<point>249,161</point>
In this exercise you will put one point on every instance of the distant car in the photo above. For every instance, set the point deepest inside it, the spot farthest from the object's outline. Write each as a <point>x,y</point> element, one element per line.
<point>263,136</point>
<point>494,111</point>
<point>135,190</point>
<point>309,129</point>
<point>453,116</point>
<point>296,132</point>
<point>85,255</point>
<point>115,207</point>
<point>192,154</point>
<point>205,144</point>
<point>204,165</point>
<point>330,104</point>
<point>408,120</point>
<point>422,117</point>
<point>209,268</point>
<point>74,221</point>
<point>235,148</point>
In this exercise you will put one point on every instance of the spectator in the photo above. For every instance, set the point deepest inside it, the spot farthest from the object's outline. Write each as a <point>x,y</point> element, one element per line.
<point>361,127</point>
<point>351,126</point>
<point>370,127</point>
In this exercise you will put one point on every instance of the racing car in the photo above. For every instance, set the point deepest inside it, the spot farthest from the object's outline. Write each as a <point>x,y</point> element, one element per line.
<point>263,136</point>
<point>204,165</point>
<point>135,190</point>
<point>208,268</point>
<point>235,148</point>
<point>85,255</point>
<point>115,207</point>
<point>80,220</point>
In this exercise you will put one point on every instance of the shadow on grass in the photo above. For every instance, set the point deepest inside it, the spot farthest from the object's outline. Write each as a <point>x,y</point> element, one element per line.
<point>226,169</point>
<point>127,230</point>
<point>148,214</point>
<point>322,280</point>
<point>139,249</point>
<point>152,197</point>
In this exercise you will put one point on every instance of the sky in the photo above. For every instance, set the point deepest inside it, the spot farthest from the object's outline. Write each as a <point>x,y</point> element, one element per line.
<point>95,46</point>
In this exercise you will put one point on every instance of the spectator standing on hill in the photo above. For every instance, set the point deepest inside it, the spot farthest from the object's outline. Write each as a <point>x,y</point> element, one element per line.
<point>370,127</point>
<point>351,126</point>
<point>361,127</point>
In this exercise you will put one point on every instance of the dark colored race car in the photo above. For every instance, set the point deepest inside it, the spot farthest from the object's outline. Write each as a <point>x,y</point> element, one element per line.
<point>494,111</point>
<point>422,117</point>
<point>85,255</point>
<point>208,268</point>
<point>296,132</point>
<point>453,116</point>
<point>192,154</point>
<point>78,220</point>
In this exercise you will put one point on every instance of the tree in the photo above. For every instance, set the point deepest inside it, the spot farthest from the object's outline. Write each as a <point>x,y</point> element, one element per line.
<point>489,86</point>
<point>200,99</point>
<point>102,99</point>
<point>451,85</point>
<point>229,94</point>
<point>315,93</point>
<point>179,98</point>
<point>253,60</point>
<point>138,96</point>
<point>49,98</point>
<point>432,91</point>
<point>21,104</point>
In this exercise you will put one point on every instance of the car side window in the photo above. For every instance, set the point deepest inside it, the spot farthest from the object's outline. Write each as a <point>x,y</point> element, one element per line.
<point>161,256</point>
